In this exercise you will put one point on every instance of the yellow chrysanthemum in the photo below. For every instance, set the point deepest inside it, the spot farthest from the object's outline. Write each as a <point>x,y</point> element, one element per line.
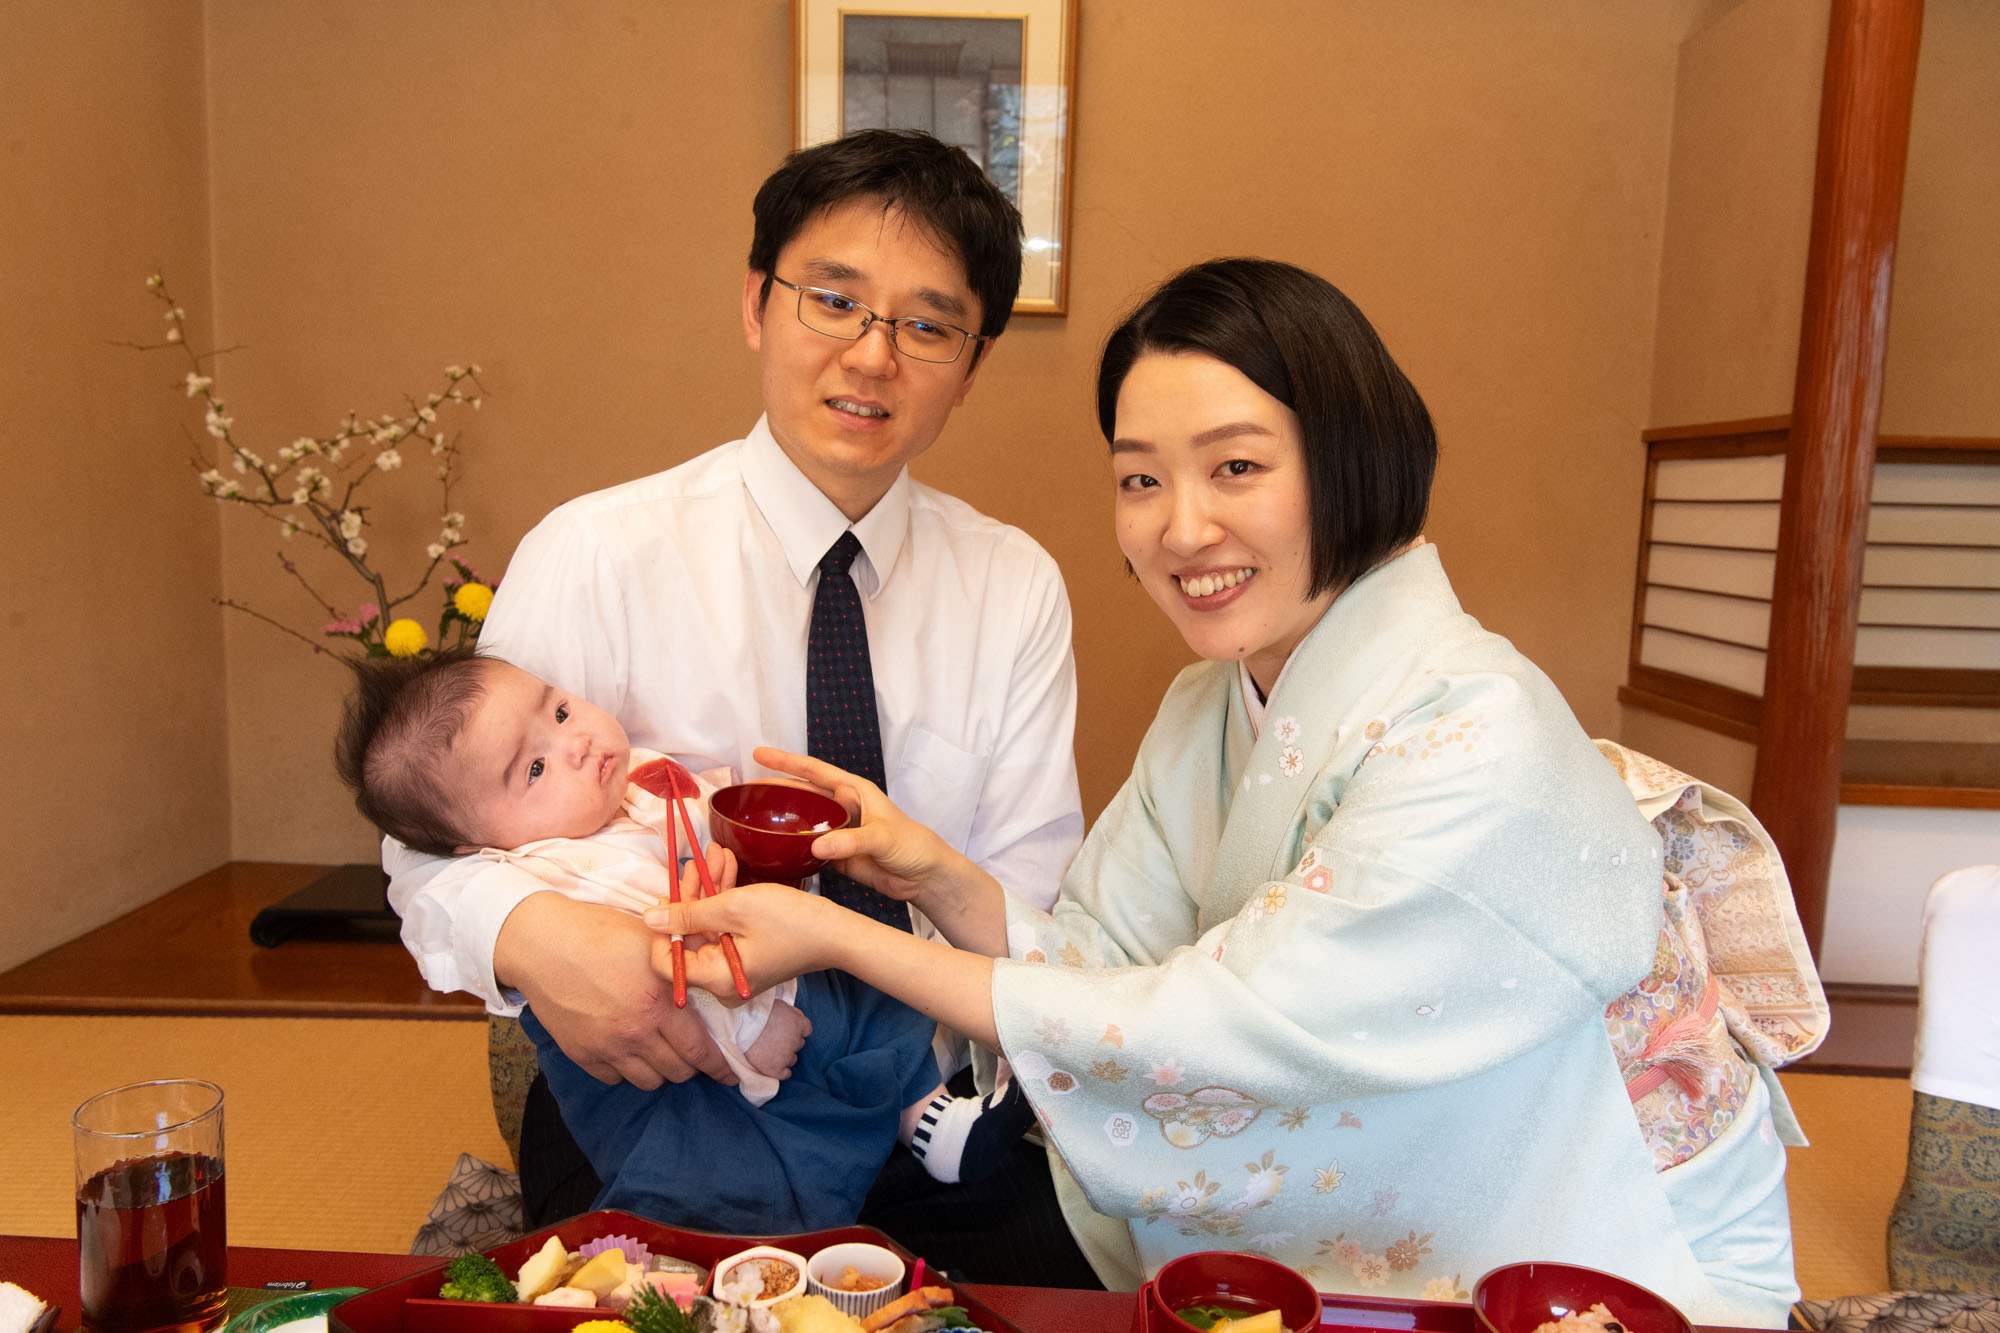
<point>405,638</point>
<point>601,1326</point>
<point>473,600</point>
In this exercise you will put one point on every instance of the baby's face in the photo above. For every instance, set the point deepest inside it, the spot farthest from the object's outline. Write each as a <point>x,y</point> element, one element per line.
<point>536,762</point>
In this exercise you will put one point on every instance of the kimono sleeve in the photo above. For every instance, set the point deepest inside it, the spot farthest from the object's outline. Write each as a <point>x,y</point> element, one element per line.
<point>1452,913</point>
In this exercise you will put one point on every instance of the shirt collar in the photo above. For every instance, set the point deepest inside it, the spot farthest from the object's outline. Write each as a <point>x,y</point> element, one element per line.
<point>806,523</point>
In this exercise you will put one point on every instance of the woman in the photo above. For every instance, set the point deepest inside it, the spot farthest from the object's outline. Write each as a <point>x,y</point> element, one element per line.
<point>1329,978</point>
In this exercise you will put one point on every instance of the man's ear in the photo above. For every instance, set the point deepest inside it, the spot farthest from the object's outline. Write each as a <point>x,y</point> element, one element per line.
<point>753,308</point>
<point>985,354</point>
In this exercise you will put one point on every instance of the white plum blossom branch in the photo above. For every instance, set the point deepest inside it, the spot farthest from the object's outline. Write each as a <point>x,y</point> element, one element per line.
<point>313,485</point>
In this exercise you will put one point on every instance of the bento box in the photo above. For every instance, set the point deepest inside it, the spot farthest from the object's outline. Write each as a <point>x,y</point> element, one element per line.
<point>412,1304</point>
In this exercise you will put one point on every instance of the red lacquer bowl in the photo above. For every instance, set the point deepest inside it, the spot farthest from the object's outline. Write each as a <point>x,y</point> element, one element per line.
<point>1226,1277</point>
<point>1517,1298</point>
<point>771,826</point>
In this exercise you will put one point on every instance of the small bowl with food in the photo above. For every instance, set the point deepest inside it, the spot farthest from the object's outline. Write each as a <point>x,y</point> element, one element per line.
<point>1230,1292</point>
<point>760,1276</point>
<point>1567,1298</point>
<point>857,1277</point>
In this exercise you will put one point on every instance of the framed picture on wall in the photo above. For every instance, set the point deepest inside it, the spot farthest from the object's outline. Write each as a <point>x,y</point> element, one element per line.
<point>992,76</point>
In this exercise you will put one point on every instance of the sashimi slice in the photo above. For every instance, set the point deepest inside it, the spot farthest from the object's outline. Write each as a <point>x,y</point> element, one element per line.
<point>665,778</point>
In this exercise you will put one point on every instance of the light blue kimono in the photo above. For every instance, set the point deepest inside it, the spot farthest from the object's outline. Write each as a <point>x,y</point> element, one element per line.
<point>1335,991</point>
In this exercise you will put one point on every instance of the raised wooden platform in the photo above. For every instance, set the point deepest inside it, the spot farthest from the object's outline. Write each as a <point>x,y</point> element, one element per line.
<point>189,952</point>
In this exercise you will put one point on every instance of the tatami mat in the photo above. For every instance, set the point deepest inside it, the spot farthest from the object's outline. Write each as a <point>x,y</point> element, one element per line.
<point>342,1131</point>
<point>339,1132</point>
<point>1843,1185</point>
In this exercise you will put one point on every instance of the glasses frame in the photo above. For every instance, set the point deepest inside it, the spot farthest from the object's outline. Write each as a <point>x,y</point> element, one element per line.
<point>871,319</point>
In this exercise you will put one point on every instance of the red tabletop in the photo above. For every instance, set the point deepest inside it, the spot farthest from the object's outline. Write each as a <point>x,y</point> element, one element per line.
<point>46,1266</point>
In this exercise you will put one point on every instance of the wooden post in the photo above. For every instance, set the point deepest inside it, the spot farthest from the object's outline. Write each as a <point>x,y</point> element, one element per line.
<point>1864,134</point>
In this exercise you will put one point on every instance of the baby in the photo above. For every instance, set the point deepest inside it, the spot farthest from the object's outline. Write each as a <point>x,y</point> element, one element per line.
<point>462,754</point>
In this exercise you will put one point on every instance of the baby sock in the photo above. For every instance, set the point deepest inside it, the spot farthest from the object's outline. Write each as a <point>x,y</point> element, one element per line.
<point>966,1138</point>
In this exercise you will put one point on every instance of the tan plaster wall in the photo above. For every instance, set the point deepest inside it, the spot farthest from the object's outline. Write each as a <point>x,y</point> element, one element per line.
<point>1739,213</point>
<point>116,788</point>
<point>561,193</point>
<point>1733,264</point>
<point>1944,321</point>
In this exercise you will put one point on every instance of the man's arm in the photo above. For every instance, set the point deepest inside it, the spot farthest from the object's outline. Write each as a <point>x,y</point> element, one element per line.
<point>588,974</point>
<point>1030,818</point>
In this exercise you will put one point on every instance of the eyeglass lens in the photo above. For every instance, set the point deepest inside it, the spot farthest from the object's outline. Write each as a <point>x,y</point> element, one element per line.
<point>843,317</point>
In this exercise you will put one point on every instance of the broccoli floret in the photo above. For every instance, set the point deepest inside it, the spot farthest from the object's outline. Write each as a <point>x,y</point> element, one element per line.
<point>474,1277</point>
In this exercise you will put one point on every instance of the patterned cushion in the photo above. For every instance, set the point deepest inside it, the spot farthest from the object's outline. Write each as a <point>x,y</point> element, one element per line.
<point>480,1207</point>
<point>510,1064</point>
<point>1903,1312</point>
<point>1944,1231</point>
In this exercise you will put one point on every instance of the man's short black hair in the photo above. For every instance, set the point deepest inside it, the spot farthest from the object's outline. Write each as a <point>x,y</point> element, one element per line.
<point>395,733</point>
<point>931,183</point>
<point>1369,445</point>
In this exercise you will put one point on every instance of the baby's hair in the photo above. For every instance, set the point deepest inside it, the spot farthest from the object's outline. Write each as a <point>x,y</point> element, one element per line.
<point>395,732</point>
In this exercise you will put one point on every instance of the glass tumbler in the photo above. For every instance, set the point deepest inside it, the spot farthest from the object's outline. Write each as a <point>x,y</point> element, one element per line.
<point>151,1227</point>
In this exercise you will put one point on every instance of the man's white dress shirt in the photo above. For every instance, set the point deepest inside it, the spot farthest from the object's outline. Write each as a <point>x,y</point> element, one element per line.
<point>680,603</point>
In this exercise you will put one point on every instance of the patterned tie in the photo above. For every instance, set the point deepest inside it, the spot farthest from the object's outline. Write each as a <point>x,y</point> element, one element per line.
<point>841,725</point>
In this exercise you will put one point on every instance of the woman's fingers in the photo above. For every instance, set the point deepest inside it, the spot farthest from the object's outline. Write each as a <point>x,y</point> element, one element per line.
<point>721,864</point>
<point>857,793</point>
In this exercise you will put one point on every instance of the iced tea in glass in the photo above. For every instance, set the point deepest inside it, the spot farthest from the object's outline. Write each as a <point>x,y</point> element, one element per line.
<point>151,1227</point>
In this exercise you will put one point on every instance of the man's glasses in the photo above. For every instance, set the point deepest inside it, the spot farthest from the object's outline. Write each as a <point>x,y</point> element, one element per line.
<point>839,316</point>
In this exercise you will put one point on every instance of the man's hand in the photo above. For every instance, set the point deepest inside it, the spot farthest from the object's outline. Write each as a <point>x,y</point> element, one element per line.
<point>591,976</point>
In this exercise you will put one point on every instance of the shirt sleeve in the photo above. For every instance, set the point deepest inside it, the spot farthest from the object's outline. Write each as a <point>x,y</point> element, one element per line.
<point>557,614</point>
<point>1030,815</point>
<point>452,910</point>
<point>1437,925</point>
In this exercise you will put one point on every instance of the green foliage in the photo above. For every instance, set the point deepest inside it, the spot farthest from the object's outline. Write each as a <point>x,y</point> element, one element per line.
<point>651,1312</point>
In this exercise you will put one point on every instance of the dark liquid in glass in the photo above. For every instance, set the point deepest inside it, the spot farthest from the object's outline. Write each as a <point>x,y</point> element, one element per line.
<point>151,1235</point>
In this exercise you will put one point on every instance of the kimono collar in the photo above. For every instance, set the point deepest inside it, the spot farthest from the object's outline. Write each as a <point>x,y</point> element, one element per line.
<point>1253,707</point>
<point>1362,650</point>
<point>805,523</point>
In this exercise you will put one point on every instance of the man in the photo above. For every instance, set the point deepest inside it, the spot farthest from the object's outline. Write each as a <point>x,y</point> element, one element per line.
<point>882,268</point>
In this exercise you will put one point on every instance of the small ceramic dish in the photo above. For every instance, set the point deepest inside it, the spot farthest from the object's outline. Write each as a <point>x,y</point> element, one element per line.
<point>880,1269</point>
<point>1519,1298</point>
<point>776,1274</point>
<point>295,1312</point>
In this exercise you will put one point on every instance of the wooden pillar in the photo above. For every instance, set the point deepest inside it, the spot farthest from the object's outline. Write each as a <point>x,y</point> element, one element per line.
<point>1864,133</point>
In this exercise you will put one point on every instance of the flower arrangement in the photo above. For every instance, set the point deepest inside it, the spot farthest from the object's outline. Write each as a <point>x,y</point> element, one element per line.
<point>312,488</point>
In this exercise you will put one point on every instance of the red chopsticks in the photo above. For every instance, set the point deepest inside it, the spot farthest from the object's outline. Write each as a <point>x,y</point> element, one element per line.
<point>674,945</point>
<point>708,891</point>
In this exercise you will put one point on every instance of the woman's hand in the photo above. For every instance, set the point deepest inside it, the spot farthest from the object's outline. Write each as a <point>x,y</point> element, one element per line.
<point>883,848</point>
<point>779,933</point>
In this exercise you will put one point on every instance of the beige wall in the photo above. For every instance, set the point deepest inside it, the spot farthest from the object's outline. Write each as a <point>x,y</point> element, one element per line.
<point>1733,263</point>
<point>561,194</point>
<point>398,187</point>
<point>1944,323</point>
<point>1739,214</point>
<point>111,662</point>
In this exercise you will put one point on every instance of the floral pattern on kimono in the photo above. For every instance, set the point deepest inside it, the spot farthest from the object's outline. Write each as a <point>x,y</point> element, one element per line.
<point>1345,1006</point>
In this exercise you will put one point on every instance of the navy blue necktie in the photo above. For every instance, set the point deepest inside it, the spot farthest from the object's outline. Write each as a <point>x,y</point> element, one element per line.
<point>841,724</point>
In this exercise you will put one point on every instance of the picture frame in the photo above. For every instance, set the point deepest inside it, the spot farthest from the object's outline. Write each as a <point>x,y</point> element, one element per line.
<point>995,77</point>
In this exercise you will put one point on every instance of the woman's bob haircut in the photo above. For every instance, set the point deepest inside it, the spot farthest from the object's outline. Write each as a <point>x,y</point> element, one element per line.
<point>1370,449</point>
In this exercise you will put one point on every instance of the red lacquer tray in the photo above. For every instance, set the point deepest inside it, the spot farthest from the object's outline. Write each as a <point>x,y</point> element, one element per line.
<point>1356,1314</point>
<point>411,1305</point>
